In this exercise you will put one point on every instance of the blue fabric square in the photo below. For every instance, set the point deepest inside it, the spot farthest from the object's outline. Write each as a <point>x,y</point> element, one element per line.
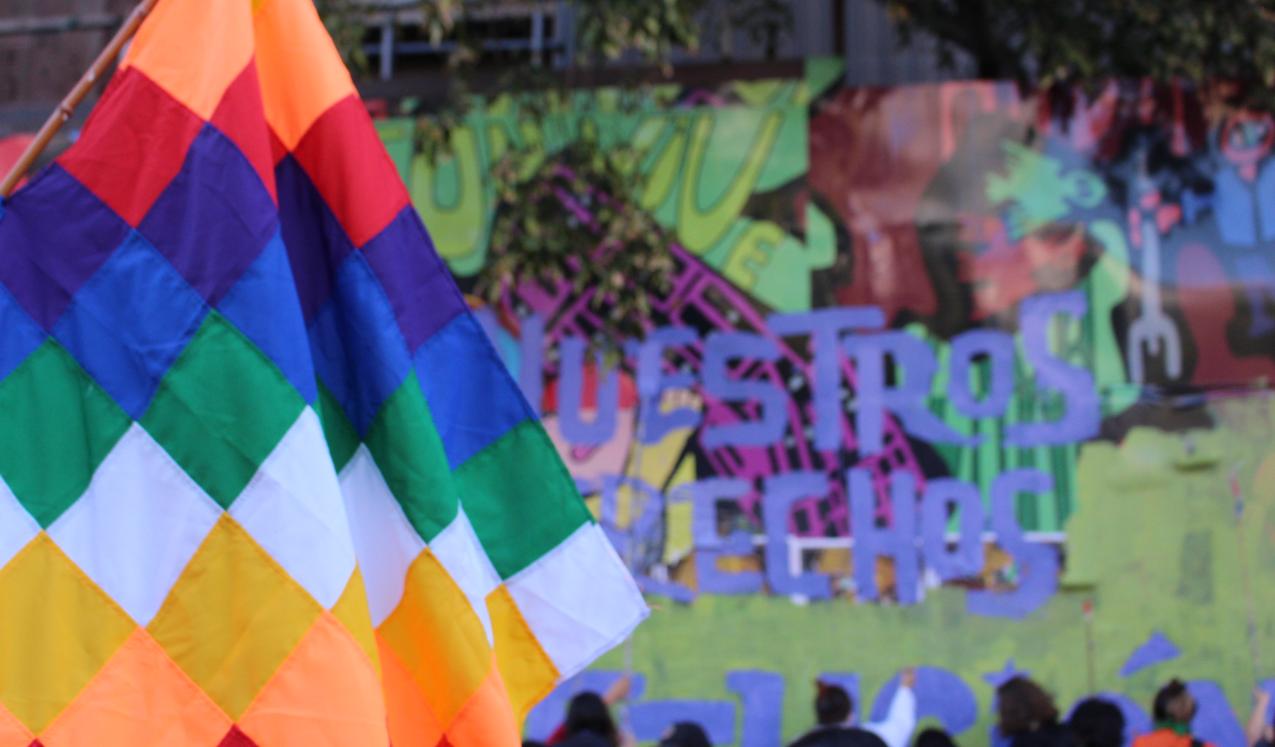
<point>358,350</point>
<point>20,336</point>
<point>130,321</point>
<point>470,393</point>
<point>214,218</point>
<point>264,306</point>
<point>55,234</point>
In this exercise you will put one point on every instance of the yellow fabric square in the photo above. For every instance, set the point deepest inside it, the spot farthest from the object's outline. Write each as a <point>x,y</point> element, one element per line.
<point>232,617</point>
<point>193,49</point>
<point>58,631</point>
<point>437,636</point>
<point>351,610</point>
<point>528,672</point>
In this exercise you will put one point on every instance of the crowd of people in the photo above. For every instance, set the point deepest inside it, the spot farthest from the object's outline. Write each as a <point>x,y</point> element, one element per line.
<point>1027,716</point>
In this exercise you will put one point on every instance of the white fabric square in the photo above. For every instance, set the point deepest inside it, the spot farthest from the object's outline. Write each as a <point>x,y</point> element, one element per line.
<point>293,509</point>
<point>578,599</point>
<point>457,548</point>
<point>17,527</point>
<point>384,541</point>
<point>137,525</point>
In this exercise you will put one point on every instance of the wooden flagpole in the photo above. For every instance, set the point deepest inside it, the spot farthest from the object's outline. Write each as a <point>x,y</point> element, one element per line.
<point>77,95</point>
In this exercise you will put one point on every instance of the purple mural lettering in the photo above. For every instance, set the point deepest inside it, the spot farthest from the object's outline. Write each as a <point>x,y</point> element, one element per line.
<point>914,367</point>
<point>782,569</point>
<point>897,541</point>
<point>942,498</point>
<point>748,349</point>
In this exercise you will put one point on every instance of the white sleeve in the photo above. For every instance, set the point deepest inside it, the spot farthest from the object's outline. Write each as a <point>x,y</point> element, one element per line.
<point>896,729</point>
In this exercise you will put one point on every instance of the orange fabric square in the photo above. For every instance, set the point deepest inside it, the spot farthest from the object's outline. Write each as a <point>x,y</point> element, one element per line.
<point>411,721</point>
<point>438,637</point>
<point>139,698</point>
<point>326,692</point>
<point>488,718</point>
<point>12,732</point>
<point>293,45</point>
<point>193,49</point>
<point>526,669</point>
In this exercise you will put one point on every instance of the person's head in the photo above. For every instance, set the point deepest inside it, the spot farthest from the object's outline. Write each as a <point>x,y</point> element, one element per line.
<point>588,713</point>
<point>532,743</point>
<point>685,734</point>
<point>833,705</point>
<point>1174,703</point>
<point>1097,723</point>
<point>1022,706</point>
<point>933,737</point>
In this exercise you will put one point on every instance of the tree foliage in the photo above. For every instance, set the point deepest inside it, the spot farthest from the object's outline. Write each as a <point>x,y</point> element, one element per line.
<point>571,217</point>
<point>645,31</point>
<point>1225,46</point>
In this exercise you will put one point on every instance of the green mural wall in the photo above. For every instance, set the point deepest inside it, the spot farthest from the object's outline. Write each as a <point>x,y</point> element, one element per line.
<point>883,295</point>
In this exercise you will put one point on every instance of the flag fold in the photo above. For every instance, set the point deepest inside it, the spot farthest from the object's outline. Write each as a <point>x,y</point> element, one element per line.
<point>263,480</point>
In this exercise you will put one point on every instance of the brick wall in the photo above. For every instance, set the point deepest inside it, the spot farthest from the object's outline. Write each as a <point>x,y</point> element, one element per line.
<point>36,71</point>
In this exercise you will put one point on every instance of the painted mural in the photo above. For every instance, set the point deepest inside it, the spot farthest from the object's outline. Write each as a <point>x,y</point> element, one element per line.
<point>950,376</point>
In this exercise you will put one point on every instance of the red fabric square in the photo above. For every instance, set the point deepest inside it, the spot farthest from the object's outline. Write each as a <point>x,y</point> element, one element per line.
<point>132,145</point>
<point>348,164</point>
<point>241,117</point>
<point>236,738</point>
<point>278,151</point>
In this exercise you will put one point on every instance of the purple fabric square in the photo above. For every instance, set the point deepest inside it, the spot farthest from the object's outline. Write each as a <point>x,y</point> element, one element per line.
<point>316,243</point>
<point>419,285</point>
<point>54,234</point>
<point>214,218</point>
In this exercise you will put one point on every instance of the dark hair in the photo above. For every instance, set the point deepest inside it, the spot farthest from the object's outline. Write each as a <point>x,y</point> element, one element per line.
<point>1168,702</point>
<point>934,738</point>
<point>532,743</point>
<point>587,713</point>
<point>1097,723</point>
<point>685,734</point>
<point>1022,706</point>
<point>833,705</point>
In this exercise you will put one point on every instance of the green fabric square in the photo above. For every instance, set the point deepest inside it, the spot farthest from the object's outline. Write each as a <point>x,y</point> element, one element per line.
<point>221,409</point>
<point>519,497</point>
<point>57,427</point>
<point>410,455</point>
<point>338,431</point>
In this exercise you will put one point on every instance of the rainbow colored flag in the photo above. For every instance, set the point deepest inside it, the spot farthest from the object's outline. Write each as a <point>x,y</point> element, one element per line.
<point>264,481</point>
